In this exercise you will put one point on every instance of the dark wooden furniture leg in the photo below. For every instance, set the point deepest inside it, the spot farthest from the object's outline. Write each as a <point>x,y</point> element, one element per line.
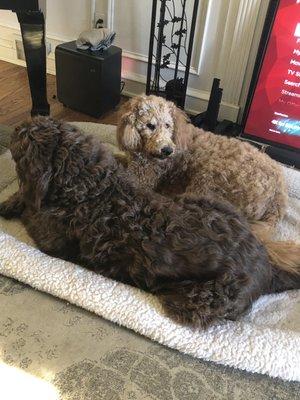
<point>33,33</point>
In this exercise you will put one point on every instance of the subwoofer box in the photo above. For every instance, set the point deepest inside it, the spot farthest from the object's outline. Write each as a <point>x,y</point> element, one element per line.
<point>88,81</point>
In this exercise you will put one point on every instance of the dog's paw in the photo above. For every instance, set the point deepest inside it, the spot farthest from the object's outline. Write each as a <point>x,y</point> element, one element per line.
<point>7,211</point>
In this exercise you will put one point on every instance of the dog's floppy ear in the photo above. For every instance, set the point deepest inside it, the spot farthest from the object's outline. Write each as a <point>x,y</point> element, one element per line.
<point>128,136</point>
<point>37,185</point>
<point>32,148</point>
<point>181,134</point>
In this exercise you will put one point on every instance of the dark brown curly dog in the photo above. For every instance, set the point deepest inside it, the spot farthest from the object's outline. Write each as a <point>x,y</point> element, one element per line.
<point>196,254</point>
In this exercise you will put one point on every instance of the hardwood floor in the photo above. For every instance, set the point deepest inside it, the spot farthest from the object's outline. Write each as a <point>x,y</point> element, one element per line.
<point>15,100</point>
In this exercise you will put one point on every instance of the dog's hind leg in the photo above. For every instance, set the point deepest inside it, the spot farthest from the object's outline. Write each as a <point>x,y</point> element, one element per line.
<point>50,232</point>
<point>277,208</point>
<point>200,304</point>
<point>12,207</point>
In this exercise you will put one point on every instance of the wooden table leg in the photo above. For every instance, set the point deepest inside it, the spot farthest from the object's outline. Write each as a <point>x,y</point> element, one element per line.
<point>33,34</point>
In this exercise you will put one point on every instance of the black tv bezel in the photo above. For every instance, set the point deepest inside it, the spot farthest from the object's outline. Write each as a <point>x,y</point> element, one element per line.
<point>263,45</point>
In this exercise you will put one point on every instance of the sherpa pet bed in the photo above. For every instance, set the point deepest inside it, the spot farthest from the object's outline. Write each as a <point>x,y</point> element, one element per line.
<point>267,340</point>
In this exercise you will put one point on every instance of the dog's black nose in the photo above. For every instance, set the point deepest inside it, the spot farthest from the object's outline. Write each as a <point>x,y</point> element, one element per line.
<point>166,151</point>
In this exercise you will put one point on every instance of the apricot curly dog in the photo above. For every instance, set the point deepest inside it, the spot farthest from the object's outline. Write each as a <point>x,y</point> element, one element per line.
<point>197,255</point>
<point>155,132</point>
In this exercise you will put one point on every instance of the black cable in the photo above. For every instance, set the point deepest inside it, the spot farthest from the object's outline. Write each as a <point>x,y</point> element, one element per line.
<point>122,86</point>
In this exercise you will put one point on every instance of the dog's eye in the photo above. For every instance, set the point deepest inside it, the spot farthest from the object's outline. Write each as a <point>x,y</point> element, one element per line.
<point>151,127</point>
<point>167,126</point>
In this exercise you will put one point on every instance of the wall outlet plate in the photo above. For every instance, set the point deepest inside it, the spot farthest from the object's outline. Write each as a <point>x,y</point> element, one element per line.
<point>99,16</point>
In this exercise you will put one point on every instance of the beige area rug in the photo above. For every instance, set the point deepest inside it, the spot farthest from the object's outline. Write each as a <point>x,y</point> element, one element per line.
<point>56,350</point>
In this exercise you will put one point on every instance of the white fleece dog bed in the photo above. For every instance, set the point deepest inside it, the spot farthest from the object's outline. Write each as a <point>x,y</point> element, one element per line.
<point>267,340</point>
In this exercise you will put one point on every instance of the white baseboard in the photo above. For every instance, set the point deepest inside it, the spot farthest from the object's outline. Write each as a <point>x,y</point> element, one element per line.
<point>196,101</point>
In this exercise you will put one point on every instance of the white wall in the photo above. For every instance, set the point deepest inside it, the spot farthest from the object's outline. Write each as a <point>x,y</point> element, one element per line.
<point>65,18</point>
<point>8,18</point>
<point>226,40</point>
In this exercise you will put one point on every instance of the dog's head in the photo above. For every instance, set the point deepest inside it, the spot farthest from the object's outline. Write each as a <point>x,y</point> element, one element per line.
<point>51,157</point>
<point>148,125</point>
<point>32,146</point>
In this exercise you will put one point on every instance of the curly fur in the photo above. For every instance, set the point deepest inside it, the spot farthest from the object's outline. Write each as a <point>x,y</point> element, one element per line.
<point>226,168</point>
<point>197,255</point>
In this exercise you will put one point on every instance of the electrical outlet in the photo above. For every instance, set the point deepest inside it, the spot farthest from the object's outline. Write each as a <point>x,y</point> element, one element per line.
<point>102,17</point>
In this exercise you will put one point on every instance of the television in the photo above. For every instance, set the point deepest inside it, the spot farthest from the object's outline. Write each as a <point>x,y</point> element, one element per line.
<point>272,111</point>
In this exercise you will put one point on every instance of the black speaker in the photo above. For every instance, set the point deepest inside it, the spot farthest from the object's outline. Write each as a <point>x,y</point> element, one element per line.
<point>89,82</point>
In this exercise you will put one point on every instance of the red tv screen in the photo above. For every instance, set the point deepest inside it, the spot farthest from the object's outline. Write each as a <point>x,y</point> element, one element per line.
<point>274,113</point>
